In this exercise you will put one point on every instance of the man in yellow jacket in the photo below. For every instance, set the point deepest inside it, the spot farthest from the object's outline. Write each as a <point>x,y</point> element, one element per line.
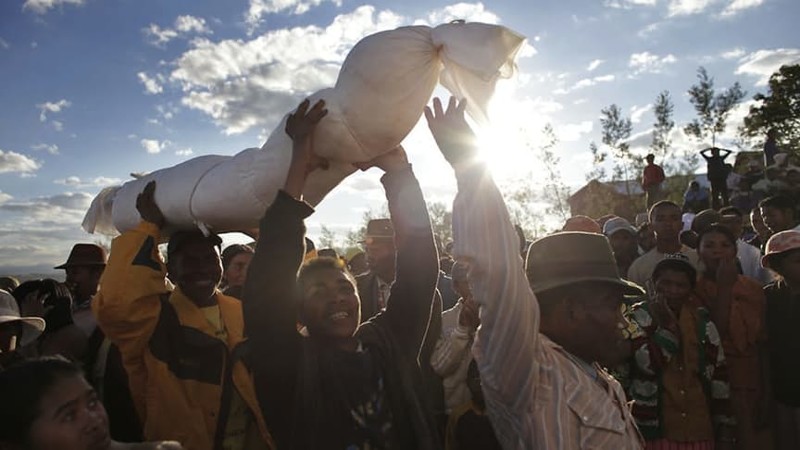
<point>181,349</point>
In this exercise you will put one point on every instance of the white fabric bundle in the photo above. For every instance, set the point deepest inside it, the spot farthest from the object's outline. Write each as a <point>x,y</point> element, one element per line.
<point>382,88</point>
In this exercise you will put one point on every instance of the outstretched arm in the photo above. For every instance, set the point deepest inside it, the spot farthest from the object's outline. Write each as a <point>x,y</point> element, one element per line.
<point>408,310</point>
<point>507,343</point>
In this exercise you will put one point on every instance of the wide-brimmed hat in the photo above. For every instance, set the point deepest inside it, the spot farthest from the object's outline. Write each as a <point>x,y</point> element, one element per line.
<point>780,243</point>
<point>32,327</point>
<point>573,257</point>
<point>85,255</point>
<point>378,230</point>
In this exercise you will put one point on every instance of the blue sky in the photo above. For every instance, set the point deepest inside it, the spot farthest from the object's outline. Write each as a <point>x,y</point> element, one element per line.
<point>96,89</point>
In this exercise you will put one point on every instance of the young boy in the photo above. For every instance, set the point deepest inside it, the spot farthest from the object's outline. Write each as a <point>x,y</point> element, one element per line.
<point>345,385</point>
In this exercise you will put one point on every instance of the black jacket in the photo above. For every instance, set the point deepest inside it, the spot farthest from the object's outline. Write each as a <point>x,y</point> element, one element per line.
<point>289,370</point>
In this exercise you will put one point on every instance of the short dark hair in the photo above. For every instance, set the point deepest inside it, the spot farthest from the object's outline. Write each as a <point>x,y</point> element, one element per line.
<point>676,265</point>
<point>731,211</point>
<point>716,228</point>
<point>662,204</point>
<point>181,238</point>
<point>650,156</point>
<point>22,387</point>
<point>56,296</point>
<point>318,264</point>
<point>232,251</point>
<point>777,201</point>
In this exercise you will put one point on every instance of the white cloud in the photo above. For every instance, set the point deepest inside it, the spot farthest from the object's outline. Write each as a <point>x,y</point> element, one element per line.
<point>184,152</point>
<point>52,107</point>
<point>151,85</point>
<point>764,63</point>
<point>734,53</point>
<point>4,44</point>
<point>638,111</point>
<point>594,64</point>
<point>153,146</point>
<point>42,6</point>
<point>627,4</point>
<point>587,82</point>
<point>17,162</point>
<point>184,26</point>
<point>58,125</point>
<point>77,182</point>
<point>688,7</point>
<point>646,62</point>
<point>737,6</point>
<point>4,197</point>
<point>572,132</point>
<point>257,9</point>
<point>242,84</point>
<point>49,148</point>
<point>471,12</point>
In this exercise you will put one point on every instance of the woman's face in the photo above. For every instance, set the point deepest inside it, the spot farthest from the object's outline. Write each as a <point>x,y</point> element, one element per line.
<point>715,247</point>
<point>71,417</point>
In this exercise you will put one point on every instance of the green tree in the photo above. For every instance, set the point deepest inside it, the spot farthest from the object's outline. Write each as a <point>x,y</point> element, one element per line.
<point>712,108</point>
<point>616,130</point>
<point>598,171</point>
<point>778,109</point>
<point>663,126</point>
<point>327,238</point>
<point>554,191</point>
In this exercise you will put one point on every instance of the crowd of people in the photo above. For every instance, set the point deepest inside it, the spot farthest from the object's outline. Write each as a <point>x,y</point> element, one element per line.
<point>666,335</point>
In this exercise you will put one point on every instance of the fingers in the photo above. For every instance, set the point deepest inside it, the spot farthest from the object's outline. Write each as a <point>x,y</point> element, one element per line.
<point>451,105</point>
<point>302,108</point>
<point>437,107</point>
<point>462,106</point>
<point>428,115</point>
<point>317,112</point>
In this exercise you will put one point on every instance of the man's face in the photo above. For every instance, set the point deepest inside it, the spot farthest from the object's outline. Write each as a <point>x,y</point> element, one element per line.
<point>9,336</point>
<point>776,219</point>
<point>236,272</point>
<point>667,223</point>
<point>380,254</point>
<point>715,247</point>
<point>598,321</point>
<point>83,280</point>
<point>790,266</point>
<point>623,243</point>
<point>196,269</point>
<point>758,223</point>
<point>330,304</point>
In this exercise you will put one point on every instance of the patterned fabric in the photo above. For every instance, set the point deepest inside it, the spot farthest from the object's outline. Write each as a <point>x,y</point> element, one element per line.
<point>664,444</point>
<point>655,350</point>
<point>537,397</point>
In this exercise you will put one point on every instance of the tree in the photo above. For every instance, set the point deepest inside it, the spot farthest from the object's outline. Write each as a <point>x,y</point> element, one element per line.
<point>778,109</point>
<point>712,109</point>
<point>663,127</point>
<point>598,171</point>
<point>327,238</point>
<point>441,221</point>
<point>554,191</point>
<point>616,130</point>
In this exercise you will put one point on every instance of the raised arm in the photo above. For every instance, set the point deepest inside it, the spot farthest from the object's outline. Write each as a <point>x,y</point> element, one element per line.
<point>127,306</point>
<point>508,340</point>
<point>408,310</point>
<point>268,298</point>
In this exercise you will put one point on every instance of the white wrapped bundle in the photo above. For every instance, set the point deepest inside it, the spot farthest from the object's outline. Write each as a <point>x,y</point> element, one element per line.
<point>383,85</point>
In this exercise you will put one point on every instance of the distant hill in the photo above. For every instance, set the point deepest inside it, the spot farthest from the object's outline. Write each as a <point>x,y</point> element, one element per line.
<point>24,273</point>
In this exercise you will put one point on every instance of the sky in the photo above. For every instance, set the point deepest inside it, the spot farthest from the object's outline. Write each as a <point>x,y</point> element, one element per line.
<point>94,90</point>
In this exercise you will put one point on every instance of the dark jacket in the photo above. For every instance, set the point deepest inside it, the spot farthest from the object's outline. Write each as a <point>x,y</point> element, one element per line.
<point>290,370</point>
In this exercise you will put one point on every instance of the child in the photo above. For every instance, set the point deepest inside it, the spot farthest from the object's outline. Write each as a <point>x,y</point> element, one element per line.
<point>783,332</point>
<point>48,405</point>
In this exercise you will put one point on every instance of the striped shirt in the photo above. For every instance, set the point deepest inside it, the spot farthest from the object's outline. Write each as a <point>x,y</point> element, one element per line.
<point>537,395</point>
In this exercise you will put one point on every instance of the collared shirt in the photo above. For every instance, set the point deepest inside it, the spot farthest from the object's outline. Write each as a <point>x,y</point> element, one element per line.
<point>537,396</point>
<point>642,268</point>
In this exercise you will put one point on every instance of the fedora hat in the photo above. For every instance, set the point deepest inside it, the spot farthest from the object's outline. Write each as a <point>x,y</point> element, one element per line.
<point>32,327</point>
<point>378,229</point>
<point>571,257</point>
<point>85,255</point>
<point>780,242</point>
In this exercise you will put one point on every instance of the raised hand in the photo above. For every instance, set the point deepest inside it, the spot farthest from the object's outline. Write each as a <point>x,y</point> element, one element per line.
<point>662,313</point>
<point>727,272</point>
<point>452,133</point>
<point>395,159</point>
<point>147,207</point>
<point>300,127</point>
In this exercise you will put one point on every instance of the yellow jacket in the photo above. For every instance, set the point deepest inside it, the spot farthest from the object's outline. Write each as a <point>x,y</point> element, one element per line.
<point>180,374</point>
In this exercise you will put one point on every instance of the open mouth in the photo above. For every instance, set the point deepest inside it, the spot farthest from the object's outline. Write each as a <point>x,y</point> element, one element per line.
<point>339,316</point>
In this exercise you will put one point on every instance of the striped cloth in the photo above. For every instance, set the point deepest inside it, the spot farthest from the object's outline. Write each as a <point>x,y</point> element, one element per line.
<point>537,395</point>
